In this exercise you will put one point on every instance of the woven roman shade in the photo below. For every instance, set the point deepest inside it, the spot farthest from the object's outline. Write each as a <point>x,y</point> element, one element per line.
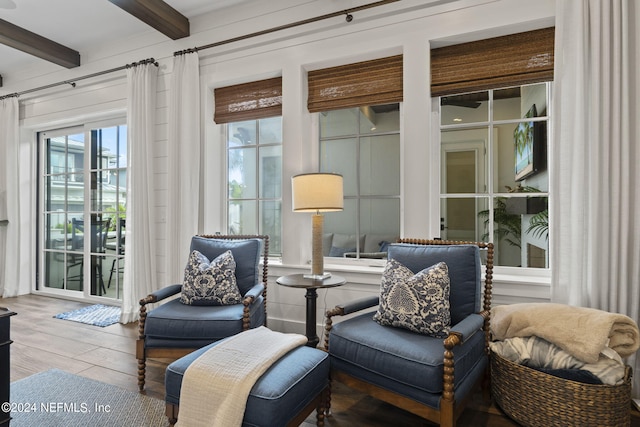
<point>248,101</point>
<point>511,60</point>
<point>354,85</point>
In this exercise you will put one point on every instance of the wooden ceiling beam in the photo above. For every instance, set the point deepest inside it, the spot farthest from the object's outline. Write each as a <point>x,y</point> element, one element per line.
<point>36,45</point>
<point>158,15</point>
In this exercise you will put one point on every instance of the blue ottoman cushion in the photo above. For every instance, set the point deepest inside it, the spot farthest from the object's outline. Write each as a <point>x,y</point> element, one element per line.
<point>286,388</point>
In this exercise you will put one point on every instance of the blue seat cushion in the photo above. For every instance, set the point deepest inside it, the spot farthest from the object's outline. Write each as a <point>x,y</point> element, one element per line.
<point>286,388</point>
<point>178,325</point>
<point>400,360</point>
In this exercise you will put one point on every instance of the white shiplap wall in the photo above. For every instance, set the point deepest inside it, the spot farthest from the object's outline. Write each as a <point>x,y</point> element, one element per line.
<point>409,27</point>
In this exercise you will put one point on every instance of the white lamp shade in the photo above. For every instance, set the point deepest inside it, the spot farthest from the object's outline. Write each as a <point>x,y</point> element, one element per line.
<point>317,192</point>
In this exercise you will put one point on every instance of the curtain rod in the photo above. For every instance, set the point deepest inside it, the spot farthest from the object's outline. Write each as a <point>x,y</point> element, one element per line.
<point>72,82</point>
<point>346,12</point>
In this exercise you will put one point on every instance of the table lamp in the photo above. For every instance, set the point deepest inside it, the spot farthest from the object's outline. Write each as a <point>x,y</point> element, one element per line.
<point>317,192</point>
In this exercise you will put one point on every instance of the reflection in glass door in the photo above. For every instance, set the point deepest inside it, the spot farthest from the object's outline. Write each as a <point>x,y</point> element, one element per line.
<point>463,173</point>
<point>83,215</point>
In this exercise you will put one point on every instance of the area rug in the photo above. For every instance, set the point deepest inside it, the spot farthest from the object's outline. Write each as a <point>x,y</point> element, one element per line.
<point>57,398</point>
<point>97,315</point>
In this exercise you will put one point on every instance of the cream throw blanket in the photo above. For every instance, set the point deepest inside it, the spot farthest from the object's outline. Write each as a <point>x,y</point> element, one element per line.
<point>536,353</point>
<point>216,386</point>
<point>582,332</point>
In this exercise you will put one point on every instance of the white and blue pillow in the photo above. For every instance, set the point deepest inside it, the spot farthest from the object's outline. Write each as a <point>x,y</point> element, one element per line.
<point>210,282</point>
<point>417,302</point>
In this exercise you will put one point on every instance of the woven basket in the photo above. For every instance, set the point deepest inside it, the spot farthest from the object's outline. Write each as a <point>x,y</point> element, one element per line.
<point>533,398</point>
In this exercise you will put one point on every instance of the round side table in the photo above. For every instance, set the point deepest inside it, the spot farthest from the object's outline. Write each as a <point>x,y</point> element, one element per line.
<point>311,285</point>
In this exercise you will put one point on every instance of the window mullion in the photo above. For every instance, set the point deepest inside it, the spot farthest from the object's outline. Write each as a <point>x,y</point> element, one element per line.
<point>491,170</point>
<point>88,208</point>
<point>257,179</point>
<point>358,185</point>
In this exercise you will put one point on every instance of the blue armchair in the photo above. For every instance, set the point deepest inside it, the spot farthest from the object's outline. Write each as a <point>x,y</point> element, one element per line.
<point>428,376</point>
<point>174,329</point>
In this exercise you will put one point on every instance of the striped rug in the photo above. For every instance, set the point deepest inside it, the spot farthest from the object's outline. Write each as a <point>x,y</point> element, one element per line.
<point>97,315</point>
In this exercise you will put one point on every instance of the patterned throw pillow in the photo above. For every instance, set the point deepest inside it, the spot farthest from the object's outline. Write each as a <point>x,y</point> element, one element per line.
<point>210,283</point>
<point>417,302</point>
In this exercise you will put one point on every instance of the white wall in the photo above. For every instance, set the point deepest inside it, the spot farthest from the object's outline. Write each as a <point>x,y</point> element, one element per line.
<point>409,27</point>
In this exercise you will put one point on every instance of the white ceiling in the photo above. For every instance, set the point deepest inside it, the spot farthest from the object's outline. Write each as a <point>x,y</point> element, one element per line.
<point>83,24</point>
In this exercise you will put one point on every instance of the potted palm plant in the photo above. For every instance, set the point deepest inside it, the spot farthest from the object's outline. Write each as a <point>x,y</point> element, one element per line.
<point>508,226</point>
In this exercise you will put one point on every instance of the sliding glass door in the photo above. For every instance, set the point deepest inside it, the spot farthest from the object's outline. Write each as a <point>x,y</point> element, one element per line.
<point>83,201</point>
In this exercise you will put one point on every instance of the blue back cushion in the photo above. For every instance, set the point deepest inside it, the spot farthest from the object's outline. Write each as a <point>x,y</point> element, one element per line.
<point>245,252</point>
<point>464,266</point>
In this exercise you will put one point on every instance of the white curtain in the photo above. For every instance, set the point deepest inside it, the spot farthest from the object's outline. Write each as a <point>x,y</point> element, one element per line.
<point>16,266</point>
<point>139,261</point>
<point>184,159</point>
<point>596,158</point>
<point>9,206</point>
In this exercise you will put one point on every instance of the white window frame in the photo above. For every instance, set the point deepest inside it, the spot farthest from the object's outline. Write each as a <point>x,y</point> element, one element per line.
<point>512,277</point>
<point>86,129</point>
<point>360,262</point>
<point>257,198</point>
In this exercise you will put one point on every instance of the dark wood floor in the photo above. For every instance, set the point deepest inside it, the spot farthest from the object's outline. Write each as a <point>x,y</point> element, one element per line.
<point>41,342</point>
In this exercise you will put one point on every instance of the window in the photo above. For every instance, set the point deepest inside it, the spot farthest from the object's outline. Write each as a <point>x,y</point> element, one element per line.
<point>494,178</point>
<point>254,179</point>
<point>359,106</point>
<point>83,202</point>
<point>252,113</point>
<point>363,145</point>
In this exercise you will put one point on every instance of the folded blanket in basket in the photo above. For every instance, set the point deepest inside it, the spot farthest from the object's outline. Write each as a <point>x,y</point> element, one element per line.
<point>582,332</point>
<point>537,353</point>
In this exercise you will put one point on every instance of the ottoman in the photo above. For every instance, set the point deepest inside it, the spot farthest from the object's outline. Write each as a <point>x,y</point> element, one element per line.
<point>284,395</point>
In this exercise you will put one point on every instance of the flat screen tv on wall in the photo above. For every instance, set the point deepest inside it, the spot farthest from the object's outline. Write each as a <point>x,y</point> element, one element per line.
<point>529,139</point>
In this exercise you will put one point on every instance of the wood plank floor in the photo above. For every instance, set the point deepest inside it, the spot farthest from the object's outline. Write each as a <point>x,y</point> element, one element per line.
<point>41,342</point>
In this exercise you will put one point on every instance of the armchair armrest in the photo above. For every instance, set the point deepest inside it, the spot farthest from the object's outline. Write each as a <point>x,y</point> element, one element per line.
<point>156,296</point>
<point>247,301</point>
<point>458,335</point>
<point>354,306</point>
<point>254,292</point>
<point>468,326</point>
<point>344,309</point>
<point>163,293</point>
